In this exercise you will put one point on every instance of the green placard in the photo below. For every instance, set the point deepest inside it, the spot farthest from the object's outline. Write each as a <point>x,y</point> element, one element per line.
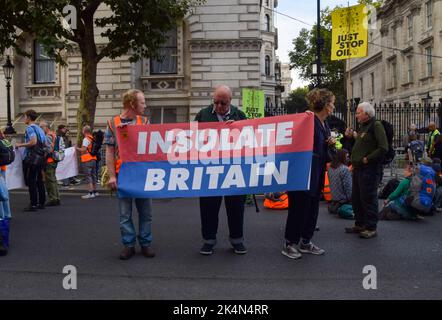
<point>253,103</point>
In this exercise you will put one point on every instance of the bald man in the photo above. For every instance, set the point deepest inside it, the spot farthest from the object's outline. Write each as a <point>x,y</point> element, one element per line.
<point>222,111</point>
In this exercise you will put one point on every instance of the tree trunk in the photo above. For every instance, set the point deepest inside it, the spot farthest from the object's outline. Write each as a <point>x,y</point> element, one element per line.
<point>89,89</point>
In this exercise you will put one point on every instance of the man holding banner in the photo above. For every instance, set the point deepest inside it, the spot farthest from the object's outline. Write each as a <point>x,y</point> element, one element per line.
<point>134,105</point>
<point>222,111</point>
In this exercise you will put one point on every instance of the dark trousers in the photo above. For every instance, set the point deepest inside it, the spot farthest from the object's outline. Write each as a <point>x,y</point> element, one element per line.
<point>302,216</point>
<point>365,196</point>
<point>34,180</point>
<point>209,210</point>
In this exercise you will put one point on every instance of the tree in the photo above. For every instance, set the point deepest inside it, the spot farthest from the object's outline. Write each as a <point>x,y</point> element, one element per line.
<point>303,55</point>
<point>296,102</point>
<point>135,27</point>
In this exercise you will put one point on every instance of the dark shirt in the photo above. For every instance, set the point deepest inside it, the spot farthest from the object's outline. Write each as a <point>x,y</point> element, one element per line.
<point>209,115</point>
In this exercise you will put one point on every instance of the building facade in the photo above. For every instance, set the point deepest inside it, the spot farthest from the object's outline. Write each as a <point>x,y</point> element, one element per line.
<point>286,80</point>
<point>232,42</point>
<point>404,62</point>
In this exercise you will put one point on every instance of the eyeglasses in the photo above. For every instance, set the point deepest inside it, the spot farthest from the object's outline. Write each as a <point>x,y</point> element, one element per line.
<point>223,103</point>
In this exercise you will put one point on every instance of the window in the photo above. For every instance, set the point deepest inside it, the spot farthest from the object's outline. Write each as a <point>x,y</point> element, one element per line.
<point>372,84</point>
<point>429,52</point>
<point>395,37</point>
<point>167,114</point>
<point>267,23</point>
<point>267,3</point>
<point>410,26</point>
<point>361,82</point>
<point>44,65</point>
<point>394,74</point>
<point>167,62</point>
<point>410,69</point>
<point>429,13</point>
<point>267,66</point>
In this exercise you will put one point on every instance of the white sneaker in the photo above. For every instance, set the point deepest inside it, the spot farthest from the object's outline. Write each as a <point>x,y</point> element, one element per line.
<point>291,252</point>
<point>96,194</point>
<point>88,196</point>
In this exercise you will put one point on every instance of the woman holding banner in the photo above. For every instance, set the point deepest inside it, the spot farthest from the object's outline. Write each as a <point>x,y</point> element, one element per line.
<point>304,205</point>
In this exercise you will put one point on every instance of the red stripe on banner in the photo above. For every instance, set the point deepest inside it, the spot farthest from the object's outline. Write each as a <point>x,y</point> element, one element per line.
<point>211,140</point>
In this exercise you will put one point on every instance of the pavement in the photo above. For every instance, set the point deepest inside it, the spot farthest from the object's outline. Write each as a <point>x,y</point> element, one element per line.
<point>85,234</point>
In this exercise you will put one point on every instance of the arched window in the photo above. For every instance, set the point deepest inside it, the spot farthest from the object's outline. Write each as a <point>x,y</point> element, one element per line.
<point>267,65</point>
<point>267,23</point>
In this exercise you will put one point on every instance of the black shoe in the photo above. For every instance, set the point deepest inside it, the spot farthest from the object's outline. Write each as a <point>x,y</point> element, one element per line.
<point>3,251</point>
<point>127,253</point>
<point>52,203</point>
<point>239,248</point>
<point>207,249</point>
<point>41,206</point>
<point>30,208</point>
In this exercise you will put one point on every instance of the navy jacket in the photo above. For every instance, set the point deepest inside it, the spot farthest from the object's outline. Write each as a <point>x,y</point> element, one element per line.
<point>320,157</point>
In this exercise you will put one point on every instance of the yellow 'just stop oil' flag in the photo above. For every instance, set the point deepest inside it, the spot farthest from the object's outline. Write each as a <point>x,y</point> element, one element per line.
<point>349,33</point>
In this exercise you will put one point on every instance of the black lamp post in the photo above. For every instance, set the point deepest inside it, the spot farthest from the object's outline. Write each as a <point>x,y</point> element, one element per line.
<point>8,69</point>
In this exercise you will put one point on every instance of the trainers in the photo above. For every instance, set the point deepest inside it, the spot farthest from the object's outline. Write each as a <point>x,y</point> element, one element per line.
<point>127,253</point>
<point>96,194</point>
<point>30,208</point>
<point>239,248</point>
<point>354,229</point>
<point>88,196</point>
<point>367,234</point>
<point>207,249</point>
<point>310,248</point>
<point>290,251</point>
<point>147,251</point>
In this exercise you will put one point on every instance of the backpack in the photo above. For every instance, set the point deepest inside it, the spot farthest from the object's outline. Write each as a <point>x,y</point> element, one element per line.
<point>391,185</point>
<point>58,153</point>
<point>422,189</point>
<point>7,154</point>
<point>417,149</point>
<point>97,142</point>
<point>346,211</point>
<point>388,127</point>
<point>276,200</point>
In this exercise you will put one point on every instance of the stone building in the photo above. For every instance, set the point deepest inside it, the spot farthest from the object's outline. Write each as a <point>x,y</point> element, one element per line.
<point>404,62</point>
<point>286,80</point>
<point>228,42</point>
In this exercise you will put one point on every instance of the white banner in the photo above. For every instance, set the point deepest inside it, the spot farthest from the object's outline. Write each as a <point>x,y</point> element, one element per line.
<point>65,169</point>
<point>14,172</point>
<point>69,166</point>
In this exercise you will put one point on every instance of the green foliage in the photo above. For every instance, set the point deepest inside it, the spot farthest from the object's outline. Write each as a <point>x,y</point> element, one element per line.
<point>296,102</point>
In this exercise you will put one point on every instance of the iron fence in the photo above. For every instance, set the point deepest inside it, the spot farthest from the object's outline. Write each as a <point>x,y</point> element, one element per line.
<point>400,115</point>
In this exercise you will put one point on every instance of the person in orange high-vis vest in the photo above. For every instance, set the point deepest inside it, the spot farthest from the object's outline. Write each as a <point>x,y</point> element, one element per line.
<point>88,162</point>
<point>51,166</point>
<point>134,105</point>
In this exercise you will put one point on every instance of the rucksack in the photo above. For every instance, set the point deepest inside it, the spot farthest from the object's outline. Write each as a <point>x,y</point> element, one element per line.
<point>97,142</point>
<point>422,189</point>
<point>417,149</point>
<point>7,154</point>
<point>391,185</point>
<point>389,132</point>
<point>276,200</point>
<point>59,147</point>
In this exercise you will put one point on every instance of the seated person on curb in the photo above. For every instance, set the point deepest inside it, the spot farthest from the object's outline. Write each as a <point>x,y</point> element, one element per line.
<point>437,202</point>
<point>395,207</point>
<point>340,181</point>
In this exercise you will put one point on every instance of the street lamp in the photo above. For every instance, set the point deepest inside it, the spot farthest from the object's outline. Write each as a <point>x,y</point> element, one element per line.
<point>8,69</point>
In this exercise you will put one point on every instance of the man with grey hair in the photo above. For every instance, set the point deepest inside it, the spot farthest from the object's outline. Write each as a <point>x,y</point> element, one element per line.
<point>222,111</point>
<point>367,156</point>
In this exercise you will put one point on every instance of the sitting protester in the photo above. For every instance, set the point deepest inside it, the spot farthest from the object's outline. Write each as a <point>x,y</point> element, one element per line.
<point>340,181</point>
<point>395,207</point>
<point>437,203</point>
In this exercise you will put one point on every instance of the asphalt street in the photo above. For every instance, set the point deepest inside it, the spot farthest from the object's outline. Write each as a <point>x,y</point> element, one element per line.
<point>85,234</point>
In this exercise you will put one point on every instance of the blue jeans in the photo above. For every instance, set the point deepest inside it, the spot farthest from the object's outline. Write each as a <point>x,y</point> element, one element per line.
<point>5,209</point>
<point>128,233</point>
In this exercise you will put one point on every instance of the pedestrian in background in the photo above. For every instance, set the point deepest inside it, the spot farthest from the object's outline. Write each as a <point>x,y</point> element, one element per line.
<point>33,173</point>
<point>51,166</point>
<point>304,205</point>
<point>89,163</point>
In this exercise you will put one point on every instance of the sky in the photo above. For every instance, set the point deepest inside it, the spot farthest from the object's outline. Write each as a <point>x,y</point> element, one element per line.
<point>288,29</point>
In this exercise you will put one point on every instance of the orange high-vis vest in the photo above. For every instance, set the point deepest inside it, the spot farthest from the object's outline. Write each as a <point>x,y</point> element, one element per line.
<point>327,191</point>
<point>86,156</point>
<point>117,122</point>
<point>54,138</point>
<point>3,168</point>
<point>280,204</point>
